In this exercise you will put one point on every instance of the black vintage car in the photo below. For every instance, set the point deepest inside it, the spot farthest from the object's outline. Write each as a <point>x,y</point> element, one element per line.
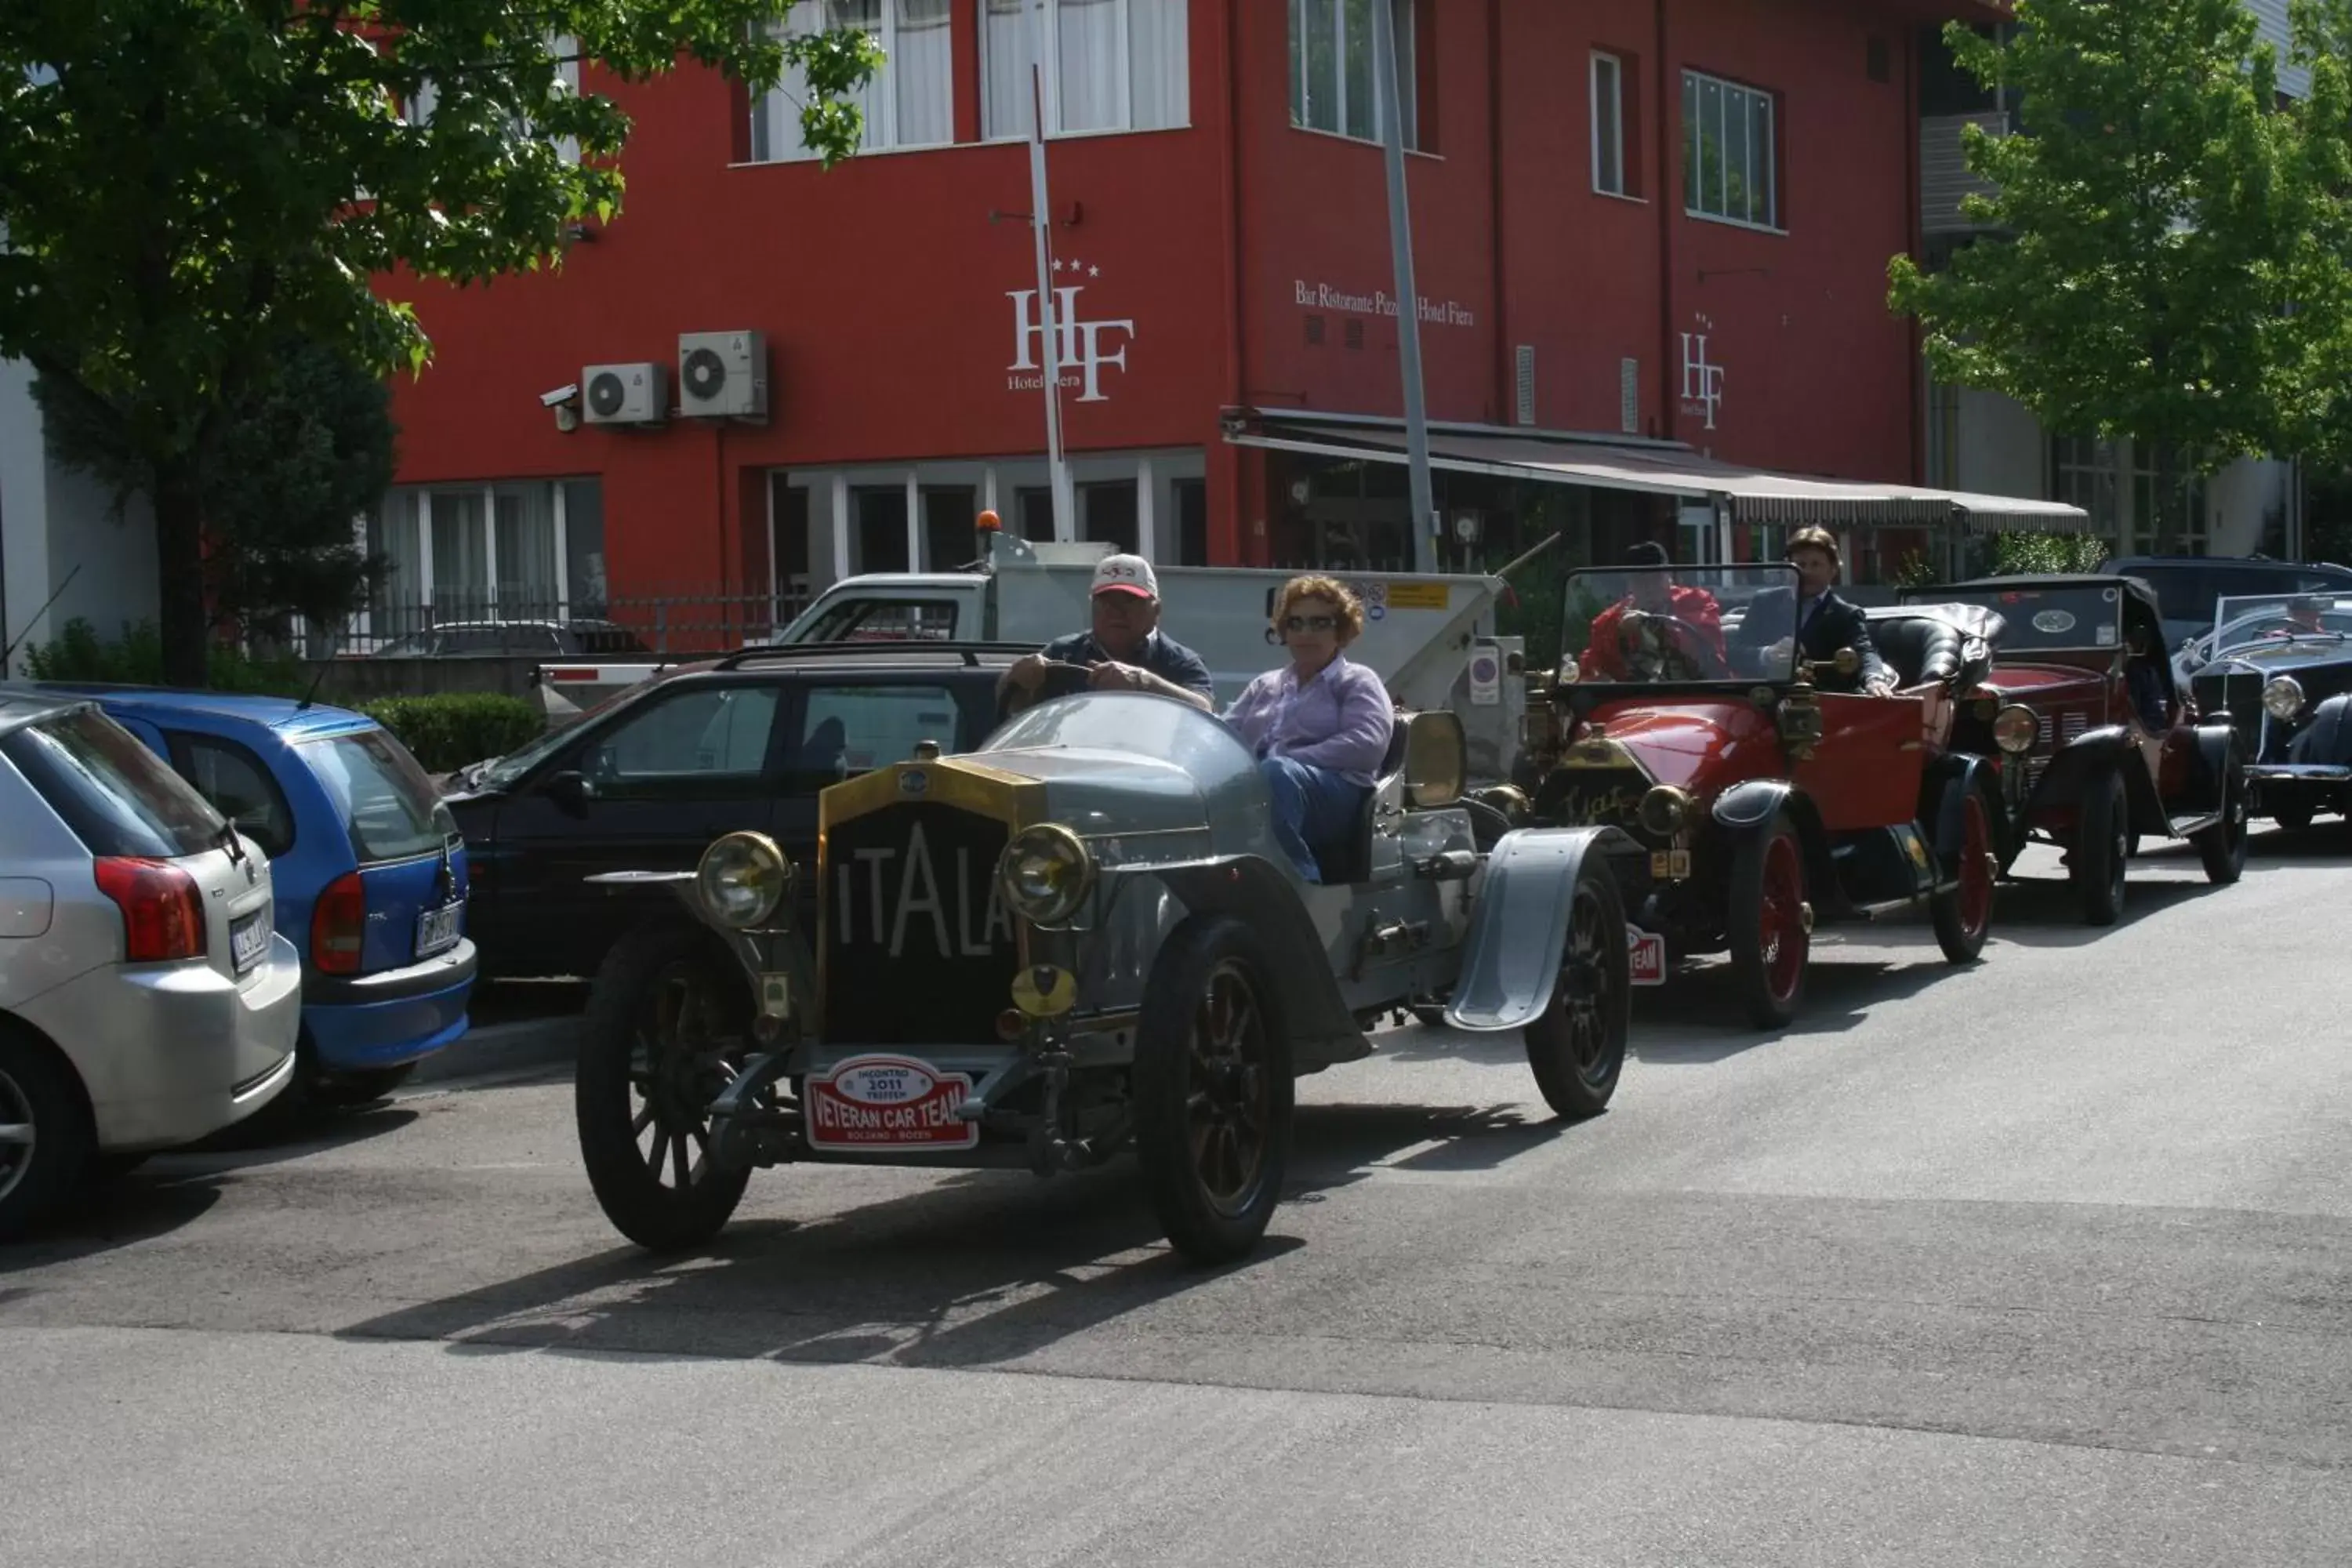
<point>2281,666</point>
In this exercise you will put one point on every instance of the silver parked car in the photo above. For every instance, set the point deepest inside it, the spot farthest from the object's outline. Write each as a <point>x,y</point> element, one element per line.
<point>145,998</point>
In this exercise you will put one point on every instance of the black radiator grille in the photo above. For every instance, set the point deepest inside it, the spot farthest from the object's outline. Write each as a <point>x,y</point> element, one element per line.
<point>918,947</point>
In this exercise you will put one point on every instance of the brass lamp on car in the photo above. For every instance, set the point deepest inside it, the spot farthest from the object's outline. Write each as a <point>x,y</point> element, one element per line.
<point>2283,697</point>
<point>1665,811</point>
<point>743,879</point>
<point>1046,872</point>
<point>2014,729</point>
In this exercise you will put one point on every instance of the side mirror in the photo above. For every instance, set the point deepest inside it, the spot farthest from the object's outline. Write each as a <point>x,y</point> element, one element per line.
<point>571,790</point>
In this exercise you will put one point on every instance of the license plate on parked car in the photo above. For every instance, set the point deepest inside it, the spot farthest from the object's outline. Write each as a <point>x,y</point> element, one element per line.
<point>437,929</point>
<point>249,940</point>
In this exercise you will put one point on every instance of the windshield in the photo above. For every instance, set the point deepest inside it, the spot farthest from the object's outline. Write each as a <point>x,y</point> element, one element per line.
<point>2188,593</point>
<point>1124,721</point>
<point>383,795</point>
<point>2273,620</point>
<point>503,771</point>
<point>1647,625</point>
<point>2068,619</point>
<point>116,796</point>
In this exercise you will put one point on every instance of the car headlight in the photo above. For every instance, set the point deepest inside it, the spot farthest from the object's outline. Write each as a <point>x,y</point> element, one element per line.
<point>743,878</point>
<point>1045,873</point>
<point>1664,810</point>
<point>2015,728</point>
<point>2282,697</point>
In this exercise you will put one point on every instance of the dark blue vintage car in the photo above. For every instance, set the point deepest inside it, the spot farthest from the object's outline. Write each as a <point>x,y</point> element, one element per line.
<point>2281,666</point>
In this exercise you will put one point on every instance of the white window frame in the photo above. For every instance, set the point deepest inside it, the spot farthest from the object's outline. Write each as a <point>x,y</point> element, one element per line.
<point>1045,33</point>
<point>1408,71</point>
<point>557,486</point>
<point>1606,180</point>
<point>882,110</point>
<point>1745,94</point>
<point>418,110</point>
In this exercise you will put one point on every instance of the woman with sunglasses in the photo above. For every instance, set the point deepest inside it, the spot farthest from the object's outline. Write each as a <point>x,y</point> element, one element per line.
<point>1320,725</point>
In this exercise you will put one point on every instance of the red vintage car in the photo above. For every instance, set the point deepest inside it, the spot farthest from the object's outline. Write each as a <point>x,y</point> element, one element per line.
<point>2097,742</point>
<point>1766,803</point>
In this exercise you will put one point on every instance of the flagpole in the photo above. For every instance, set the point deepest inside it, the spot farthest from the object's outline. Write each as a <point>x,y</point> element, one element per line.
<point>1065,523</point>
<point>1416,417</point>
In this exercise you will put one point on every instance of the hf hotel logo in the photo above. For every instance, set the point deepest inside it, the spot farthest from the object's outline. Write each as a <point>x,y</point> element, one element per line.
<point>1083,347</point>
<point>1701,381</point>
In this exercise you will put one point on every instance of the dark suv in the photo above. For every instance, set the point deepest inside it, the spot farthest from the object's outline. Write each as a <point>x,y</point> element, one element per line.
<point>648,779</point>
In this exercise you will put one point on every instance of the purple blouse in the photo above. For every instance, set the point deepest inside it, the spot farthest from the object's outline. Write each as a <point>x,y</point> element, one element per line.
<point>1340,720</point>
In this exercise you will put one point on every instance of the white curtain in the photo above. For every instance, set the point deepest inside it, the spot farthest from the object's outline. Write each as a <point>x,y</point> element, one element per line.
<point>776,119</point>
<point>526,515</point>
<point>1159,52</point>
<point>922,74</point>
<point>1004,46</point>
<point>1090,63</point>
<point>461,570</point>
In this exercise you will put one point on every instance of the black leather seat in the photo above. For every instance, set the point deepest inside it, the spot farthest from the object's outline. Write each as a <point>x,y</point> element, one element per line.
<point>1354,862</point>
<point>1920,648</point>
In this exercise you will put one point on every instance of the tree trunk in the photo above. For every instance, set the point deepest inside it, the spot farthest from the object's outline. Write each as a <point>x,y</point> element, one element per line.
<point>182,619</point>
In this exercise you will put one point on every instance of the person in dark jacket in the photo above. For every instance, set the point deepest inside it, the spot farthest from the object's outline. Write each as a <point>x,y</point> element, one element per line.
<point>1811,621</point>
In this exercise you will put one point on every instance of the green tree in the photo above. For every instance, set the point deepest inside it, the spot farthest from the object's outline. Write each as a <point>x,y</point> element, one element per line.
<point>187,185</point>
<point>2162,263</point>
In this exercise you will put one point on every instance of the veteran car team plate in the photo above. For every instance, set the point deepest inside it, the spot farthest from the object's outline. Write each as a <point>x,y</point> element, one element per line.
<point>879,1103</point>
<point>1648,953</point>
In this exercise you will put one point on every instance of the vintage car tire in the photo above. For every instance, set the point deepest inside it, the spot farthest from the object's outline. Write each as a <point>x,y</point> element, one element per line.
<point>1205,957</point>
<point>2293,814</point>
<point>2096,868</point>
<point>1963,917</point>
<point>2222,846</point>
<point>1577,1048</point>
<point>38,1092</point>
<point>1770,945</point>
<point>659,1216</point>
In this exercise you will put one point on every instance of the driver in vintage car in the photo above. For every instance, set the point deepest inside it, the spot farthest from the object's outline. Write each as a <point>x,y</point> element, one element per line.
<point>1661,631</point>
<point>1812,622</point>
<point>1125,647</point>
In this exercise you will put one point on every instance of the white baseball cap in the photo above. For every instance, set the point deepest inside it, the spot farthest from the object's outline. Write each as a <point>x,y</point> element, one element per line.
<point>1126,574</point>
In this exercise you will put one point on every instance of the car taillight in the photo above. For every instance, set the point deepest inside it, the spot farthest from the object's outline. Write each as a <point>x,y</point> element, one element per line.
<point>339,926</point>
<point>162,914</point>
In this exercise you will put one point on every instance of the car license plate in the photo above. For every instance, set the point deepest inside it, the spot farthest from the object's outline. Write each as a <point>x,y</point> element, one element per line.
<point>879,1104</point>
<point>1673,865</point>
<point>1647,950</point>
<point>437,929</point>
<point>249,940</point>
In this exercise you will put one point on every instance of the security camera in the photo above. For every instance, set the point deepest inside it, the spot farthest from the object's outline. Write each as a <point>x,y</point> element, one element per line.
<point>560,397</point>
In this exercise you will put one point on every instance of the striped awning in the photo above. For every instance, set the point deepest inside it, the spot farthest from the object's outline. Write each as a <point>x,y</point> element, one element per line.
<point>1660,467</point>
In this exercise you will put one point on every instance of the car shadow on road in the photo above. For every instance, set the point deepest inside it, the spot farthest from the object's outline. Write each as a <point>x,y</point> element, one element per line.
<point>121,1212</point>
<point>975,1269</point>
<point>2045,912</point>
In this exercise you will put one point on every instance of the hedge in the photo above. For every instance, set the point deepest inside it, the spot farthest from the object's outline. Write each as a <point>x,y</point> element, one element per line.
<point>79,657</point>
<point>449,731</point>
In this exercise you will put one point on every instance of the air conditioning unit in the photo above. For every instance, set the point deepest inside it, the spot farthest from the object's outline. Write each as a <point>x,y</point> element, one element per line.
<point>723,375</point>
<point>624,394</point>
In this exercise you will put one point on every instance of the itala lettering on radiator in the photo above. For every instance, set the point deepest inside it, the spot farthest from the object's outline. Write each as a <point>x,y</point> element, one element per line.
<point>1080,350</point>
<point>917,883</point>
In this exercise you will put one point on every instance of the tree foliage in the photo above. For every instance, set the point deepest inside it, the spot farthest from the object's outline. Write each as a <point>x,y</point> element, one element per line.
<point>187,185</point>
<point>2166,260</point>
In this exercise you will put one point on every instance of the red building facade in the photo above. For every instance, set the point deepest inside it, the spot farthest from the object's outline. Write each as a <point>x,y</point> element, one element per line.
<point>1665,219</point>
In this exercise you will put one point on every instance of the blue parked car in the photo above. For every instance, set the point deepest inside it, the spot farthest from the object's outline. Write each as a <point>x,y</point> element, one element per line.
<point>369,867</point>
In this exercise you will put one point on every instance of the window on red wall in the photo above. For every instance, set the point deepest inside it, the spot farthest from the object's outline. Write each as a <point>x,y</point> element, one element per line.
<point>1615,96</point>
<point>1731,151</point>
<point>1333,85</point>
<point>910,102</point>
<point>1102,65</point>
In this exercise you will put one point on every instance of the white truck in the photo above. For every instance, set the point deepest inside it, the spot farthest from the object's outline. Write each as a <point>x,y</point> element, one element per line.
<point>1429,636</point>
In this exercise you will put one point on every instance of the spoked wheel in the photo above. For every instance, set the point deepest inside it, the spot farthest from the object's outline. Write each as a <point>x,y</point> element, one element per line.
<point>667,1028</point>
<point>2101,836</point>
<point>2223,847</point>
<point>1577,1047</point>
<point>1963,917</point>
<point>1770,926</point>
<point>1213,1090</point>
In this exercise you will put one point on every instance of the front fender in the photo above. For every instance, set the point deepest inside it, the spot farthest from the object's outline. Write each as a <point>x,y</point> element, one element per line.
<point>1510,960</point>
<point>774,949</point>
<point>1950,782</point>
<point>1749,807</point>
<point>2061,783</point>
<point>2327,741</point>
<point>1252,891</point>
<point>2220,754</point>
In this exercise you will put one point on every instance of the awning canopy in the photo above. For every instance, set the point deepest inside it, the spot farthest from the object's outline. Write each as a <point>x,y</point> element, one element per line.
<point>1656,467</point>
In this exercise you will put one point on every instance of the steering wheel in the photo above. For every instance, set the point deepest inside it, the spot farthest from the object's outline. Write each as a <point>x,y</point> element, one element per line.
<point>1693,648</point>
<point>1059,680</point>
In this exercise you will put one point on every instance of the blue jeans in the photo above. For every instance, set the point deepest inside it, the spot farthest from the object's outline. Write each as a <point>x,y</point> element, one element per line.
<point>1313,807</point>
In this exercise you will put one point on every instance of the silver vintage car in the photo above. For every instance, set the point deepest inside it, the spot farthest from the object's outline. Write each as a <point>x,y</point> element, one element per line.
<point>1078,939</point>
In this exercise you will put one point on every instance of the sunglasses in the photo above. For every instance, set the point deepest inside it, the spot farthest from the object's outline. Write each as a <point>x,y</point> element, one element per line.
<point>1310,623</point>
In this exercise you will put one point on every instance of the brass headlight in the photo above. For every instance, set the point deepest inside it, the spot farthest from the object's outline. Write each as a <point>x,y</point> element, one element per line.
<point>1664,810</point>
<point>2283,697</point>
<point>743,878</point>
<point>1046,872</point>
<point>2015,728</point>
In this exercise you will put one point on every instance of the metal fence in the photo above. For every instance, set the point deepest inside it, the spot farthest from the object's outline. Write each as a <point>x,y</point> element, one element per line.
<point>665,625</point>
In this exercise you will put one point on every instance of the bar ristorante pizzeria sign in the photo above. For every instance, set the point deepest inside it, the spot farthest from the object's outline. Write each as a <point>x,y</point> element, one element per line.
<point>1378,303</point>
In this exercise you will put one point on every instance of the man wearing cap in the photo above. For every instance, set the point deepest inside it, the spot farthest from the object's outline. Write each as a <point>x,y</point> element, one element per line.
<point>1811,621</point>
<point>1125,648</point>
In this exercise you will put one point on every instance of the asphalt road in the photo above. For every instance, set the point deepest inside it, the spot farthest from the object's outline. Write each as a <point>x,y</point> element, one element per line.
<point>2046,1261</point>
